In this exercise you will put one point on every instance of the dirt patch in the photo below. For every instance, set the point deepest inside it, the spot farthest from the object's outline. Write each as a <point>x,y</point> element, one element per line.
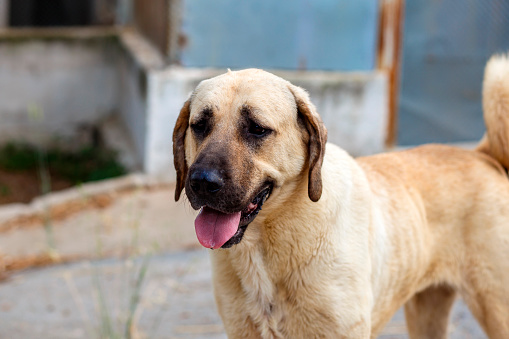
<point>24,186</point>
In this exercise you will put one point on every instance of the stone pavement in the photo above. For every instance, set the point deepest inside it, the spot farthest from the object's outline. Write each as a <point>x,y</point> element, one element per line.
<point>97,298</point>
<point>78,300</point>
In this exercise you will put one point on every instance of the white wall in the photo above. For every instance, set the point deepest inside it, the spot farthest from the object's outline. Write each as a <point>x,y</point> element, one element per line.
<point>353,107</point>
<point>132,105</point>
<point>75,82</point>
<point>168,90</point>
<point>52,87</point>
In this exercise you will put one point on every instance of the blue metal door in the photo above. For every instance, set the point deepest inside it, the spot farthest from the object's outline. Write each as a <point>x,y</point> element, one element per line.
<point>445,47</point>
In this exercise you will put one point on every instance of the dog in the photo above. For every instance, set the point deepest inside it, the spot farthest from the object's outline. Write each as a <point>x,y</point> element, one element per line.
<point>341,243</point>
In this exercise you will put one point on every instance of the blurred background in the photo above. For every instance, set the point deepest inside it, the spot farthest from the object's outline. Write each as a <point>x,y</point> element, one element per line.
<point>91,89</point>
<point>382,73</point>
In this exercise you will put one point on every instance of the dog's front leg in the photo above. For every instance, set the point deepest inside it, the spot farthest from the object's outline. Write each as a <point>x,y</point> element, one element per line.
<point>230,299</point>
<point>326,308</point>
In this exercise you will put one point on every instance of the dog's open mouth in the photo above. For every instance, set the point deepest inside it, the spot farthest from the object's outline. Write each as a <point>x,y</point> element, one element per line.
<point>216,229</point>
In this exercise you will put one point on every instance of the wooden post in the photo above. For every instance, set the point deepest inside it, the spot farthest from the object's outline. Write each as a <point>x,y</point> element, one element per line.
<point>151,19</point>
<point>390,35</point>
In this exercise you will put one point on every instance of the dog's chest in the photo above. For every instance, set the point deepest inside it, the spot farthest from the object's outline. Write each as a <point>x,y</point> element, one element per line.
<point>273,295</point>
<point>259,292</point>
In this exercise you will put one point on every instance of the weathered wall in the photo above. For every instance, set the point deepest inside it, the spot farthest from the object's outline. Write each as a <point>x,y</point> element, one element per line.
<point>139,60</point>
<point>168,90</point>
<point>53,87</point>
<point>4,13</point>
<point>151,19</point>
<point>353,106</point>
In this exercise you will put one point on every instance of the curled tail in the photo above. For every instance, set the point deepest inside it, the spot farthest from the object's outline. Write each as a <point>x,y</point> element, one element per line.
<point>496,109</point>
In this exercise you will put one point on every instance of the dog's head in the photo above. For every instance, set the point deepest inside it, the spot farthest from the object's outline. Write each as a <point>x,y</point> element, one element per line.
<point>241,138</point>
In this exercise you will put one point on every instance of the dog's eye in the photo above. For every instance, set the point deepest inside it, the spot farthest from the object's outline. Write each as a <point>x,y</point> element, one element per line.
<point>257,130</point>
<point>199,127</point>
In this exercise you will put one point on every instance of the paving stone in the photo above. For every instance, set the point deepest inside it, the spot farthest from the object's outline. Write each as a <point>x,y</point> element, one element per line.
<point>176,301</point>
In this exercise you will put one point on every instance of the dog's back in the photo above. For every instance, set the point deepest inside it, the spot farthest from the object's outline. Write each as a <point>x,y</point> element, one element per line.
<point>484,271</point>
<point>447,221</point>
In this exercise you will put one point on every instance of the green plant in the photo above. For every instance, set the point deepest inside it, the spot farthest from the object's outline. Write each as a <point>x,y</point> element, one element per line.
<point>16,157</point>
<point>135,268</point>
<point>108,327</point>
<point>4,190</point>
<point>136,296</point>
<point>45,180</point>
<point>86,164</point>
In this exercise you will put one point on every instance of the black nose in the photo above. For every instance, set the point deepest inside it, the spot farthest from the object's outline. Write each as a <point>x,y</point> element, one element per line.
<point>205,181</point>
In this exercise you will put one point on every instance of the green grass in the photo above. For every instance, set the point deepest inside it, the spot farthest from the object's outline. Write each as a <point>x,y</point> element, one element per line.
<point>4,190</point>
<point>86,164</point>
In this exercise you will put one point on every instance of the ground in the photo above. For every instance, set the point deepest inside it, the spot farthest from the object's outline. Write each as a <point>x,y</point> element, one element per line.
<point>23,186</point>
<point>129,265</point>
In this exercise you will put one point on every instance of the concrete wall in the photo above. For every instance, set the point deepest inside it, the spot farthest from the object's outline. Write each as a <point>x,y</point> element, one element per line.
<point>132,105</point>
<point>4,13</point>
<point>168,90</point>
<point>353,106</point>
<point>54,87</point>
<point>139,61</point>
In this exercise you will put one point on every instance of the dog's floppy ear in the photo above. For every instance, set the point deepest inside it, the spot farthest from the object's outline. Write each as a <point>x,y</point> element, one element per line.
<point>317,140</point>
<point>179,155</point>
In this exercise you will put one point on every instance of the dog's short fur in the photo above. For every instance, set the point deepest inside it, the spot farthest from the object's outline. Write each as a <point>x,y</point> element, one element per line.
<point>341,245</point>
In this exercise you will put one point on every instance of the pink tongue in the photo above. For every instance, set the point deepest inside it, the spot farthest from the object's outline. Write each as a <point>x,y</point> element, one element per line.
<point>214,228</point>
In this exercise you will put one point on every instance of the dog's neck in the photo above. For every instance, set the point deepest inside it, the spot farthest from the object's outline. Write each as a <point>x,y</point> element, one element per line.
<point>275,235</point>
<point>266,270</point>
<point>293,247</point>
<point>258,286</point>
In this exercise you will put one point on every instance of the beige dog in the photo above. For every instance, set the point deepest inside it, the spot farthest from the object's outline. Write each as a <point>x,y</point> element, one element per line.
<point>341,244</point>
